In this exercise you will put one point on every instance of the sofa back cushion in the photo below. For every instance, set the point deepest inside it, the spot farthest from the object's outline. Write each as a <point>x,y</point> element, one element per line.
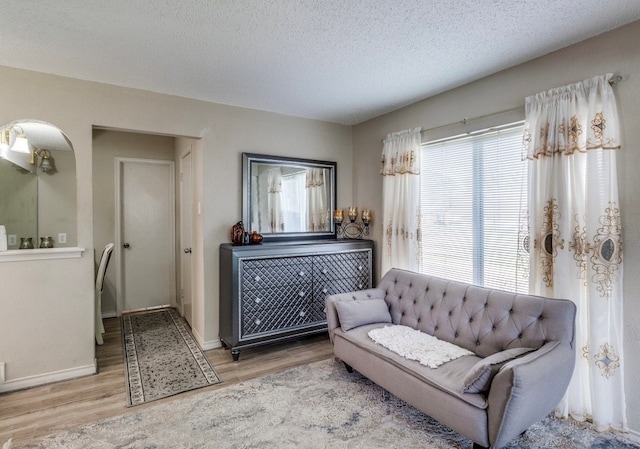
<point>359,312</point>
<point>480,319</point>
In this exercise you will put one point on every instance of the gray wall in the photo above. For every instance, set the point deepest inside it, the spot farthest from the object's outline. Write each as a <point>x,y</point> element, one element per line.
<point>46,328</point>
<point>617,52</point>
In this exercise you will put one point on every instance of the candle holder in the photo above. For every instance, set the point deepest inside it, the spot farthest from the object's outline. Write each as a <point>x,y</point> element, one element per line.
<point>352,229</point>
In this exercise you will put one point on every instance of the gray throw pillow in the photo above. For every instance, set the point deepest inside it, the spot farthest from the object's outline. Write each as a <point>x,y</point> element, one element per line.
<point>359,312</point>
<point>479,377</point>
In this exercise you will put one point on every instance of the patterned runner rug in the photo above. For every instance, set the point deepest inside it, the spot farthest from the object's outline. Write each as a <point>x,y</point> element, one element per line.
<point>161,357</point>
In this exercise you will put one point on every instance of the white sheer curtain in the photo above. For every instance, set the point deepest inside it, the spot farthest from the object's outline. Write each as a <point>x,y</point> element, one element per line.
<point>317,212</point>
<point>572,134</point>
<point>274,200</point>
<point>401,200</point>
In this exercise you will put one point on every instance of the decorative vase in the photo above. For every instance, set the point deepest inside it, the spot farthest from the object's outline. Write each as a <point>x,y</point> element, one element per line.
<point>46,242</point>
<point>255,238</point>
<point>237,233</point>
<point>26,243</point>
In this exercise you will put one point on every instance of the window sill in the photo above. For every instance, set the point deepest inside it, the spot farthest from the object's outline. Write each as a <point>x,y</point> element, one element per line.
<point>18,255</point>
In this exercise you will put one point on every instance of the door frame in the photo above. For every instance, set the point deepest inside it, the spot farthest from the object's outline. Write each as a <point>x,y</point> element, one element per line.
<point>183,211</point>
<point>119,164</point>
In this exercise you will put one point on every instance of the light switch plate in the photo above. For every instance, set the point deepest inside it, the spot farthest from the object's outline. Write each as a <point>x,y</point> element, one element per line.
<point>12,239</point>
<point>62,237</point>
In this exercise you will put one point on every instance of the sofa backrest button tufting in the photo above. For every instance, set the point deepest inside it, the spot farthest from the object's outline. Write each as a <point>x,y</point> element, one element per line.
<point>519,335</point>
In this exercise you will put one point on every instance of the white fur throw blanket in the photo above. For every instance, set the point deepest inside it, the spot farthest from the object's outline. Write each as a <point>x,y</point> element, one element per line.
<point>415,345</point>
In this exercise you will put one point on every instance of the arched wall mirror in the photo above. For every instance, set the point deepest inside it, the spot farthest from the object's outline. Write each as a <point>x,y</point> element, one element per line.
<point>38,185</point>
<point>288,198</point>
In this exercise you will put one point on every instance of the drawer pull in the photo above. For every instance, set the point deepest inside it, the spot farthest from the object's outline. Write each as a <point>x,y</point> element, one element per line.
<point>257,322</point>
<point>257,279</point>
<point>258,300</point>
<point>302,293</point>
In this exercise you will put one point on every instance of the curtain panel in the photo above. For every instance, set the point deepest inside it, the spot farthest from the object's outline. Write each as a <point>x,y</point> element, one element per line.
<point>274,200</point>
<point>317,211</point>
<point>571,138</point>
<point>400,168</point>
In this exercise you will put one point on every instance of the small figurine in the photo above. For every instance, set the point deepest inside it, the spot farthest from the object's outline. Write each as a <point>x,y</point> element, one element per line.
<point>237,233</point>
<point>255,238</point>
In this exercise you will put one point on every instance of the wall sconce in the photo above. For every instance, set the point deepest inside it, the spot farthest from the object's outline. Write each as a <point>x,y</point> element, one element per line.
<point>4,140</point>
<point>18,140</point>
<point>46,161</point>
<point>352,229</point>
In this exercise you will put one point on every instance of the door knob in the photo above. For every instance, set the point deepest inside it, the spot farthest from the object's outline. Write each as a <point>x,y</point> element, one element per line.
<point>126,245</point>
<point>187,250</point>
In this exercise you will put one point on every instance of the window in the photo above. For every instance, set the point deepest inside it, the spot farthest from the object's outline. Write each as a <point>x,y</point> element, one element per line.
<point>294,202</point>
<point>473,194</point>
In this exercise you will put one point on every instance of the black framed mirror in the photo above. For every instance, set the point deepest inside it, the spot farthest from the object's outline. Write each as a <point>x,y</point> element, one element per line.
<point>287,198</point>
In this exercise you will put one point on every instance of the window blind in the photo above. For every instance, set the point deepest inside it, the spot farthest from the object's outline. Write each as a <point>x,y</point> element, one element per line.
<point>473,194</point>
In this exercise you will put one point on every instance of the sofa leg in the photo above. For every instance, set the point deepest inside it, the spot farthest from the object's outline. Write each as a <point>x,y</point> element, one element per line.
<point>477,446</point>
<point>348,367</point>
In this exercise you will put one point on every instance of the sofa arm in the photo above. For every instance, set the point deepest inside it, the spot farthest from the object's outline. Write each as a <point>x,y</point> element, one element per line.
<point>333,322</point>
<point>527,389</point>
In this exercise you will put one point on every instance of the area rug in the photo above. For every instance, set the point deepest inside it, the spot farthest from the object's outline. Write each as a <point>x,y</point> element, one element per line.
<point>161,357</point>
<point>312,406</point>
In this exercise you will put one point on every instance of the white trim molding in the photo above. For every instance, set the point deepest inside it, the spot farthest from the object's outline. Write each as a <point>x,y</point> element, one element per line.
<point>47,378</point>
<point>19,255</point>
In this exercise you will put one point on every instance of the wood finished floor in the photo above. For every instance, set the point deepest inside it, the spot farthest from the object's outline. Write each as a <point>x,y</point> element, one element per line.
<point>38,411</point>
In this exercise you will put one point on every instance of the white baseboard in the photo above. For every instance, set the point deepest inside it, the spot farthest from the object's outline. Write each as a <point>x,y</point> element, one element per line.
<point>213,344</point>
<point>47,378</point>
<point>205,345</point>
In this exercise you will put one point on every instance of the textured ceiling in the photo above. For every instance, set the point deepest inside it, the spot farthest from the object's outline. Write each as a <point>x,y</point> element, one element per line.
<point>342,61</point>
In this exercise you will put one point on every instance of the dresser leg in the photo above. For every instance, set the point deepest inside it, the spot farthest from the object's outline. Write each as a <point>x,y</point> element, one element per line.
<point>235,353</point>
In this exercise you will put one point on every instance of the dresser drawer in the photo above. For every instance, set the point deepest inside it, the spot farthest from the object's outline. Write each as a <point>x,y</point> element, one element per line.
<point>271,273</point>
<point>262,315</point>
<point>322,289</point>
<point>341,265</point>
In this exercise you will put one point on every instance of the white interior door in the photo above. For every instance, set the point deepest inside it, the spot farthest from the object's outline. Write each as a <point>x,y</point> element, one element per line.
<point>186,227</point>
<point>146,241</point>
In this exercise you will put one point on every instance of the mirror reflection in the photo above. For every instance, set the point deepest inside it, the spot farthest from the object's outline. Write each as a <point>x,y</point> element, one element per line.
<point>289,196</point>
<point>18,203</point>
<point>37,180</point>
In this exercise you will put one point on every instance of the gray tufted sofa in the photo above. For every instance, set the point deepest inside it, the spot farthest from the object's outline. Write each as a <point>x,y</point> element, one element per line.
<point>521,391</point>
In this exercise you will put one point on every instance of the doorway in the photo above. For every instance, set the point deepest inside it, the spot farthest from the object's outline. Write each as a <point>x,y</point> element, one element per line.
<point>145,233</point>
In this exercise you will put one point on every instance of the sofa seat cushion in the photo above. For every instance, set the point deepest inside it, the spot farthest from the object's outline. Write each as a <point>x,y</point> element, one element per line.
<point>448,377</point>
